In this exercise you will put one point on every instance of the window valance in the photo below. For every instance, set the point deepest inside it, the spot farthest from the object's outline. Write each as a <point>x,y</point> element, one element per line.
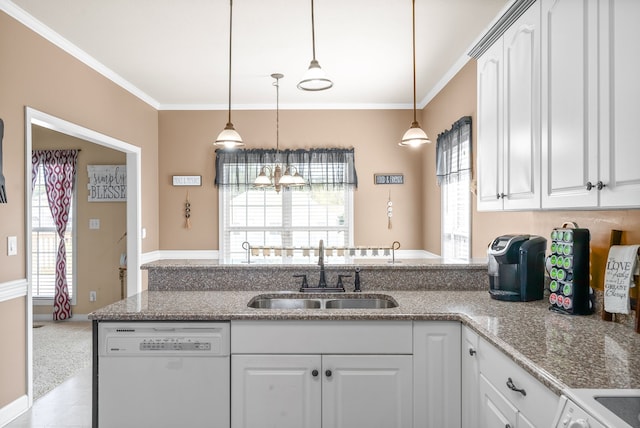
<point>319,167</point>
<point>453,150</point>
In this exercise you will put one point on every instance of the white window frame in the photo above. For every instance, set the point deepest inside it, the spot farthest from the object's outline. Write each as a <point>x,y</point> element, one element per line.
<point>285,194</point>
<point>72,276</point>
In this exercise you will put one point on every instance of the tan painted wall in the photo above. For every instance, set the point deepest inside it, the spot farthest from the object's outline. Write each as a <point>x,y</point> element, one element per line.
<point>186,149</point>
<point>13,367</point>
<point>98,251</point>
<point>458,99</point>
<point>35,73</point>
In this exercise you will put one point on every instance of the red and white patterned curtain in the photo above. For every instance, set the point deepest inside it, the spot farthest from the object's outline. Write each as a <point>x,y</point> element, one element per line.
<point>59,174</point>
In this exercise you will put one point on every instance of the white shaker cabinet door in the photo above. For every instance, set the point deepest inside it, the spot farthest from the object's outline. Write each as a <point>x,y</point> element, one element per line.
<point>470,394</point>
<point>619,104</point>
<point>495,409</point>
<point>522,112</point>
<point>569,104</point>
<point>436,374</point>
<point>276,391</point>
<point>490,129</point>
<point>367,391</point>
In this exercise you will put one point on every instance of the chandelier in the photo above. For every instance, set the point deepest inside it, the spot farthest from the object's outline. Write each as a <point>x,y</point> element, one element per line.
<point>272,175</point>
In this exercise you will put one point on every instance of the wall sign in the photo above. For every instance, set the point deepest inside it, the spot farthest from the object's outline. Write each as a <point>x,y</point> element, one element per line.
<point>187,180</point>
<point>107,183</point>
<point>388,178</point>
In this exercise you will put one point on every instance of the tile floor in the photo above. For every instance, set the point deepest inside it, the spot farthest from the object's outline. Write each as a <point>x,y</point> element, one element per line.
<point>67,406</point>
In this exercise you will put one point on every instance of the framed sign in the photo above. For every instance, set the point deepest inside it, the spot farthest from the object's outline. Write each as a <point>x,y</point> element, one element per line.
<point>388,178</point>
<point>187,180</point>
<point>107,183</point>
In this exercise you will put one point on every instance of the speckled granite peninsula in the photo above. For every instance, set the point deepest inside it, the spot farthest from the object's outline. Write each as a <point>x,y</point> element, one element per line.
<point>559,350</point>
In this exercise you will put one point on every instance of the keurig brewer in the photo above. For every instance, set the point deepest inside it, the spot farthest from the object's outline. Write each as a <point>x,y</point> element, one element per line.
<point>516,267</point>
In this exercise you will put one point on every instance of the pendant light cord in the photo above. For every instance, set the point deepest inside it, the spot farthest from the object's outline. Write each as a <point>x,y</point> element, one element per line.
<point>230,35</point>
<point>413,14</point>
<point>277,85</point>
<point>313,32</point>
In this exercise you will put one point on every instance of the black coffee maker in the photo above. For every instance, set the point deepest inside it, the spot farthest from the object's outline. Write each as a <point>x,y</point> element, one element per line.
<point>516,267</point>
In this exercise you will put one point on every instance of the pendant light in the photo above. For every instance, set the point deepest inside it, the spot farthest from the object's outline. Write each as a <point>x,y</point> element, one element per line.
<point>273,176</point>
<point>414,136</point>
<point>315,79</point>
<point>229,137</point>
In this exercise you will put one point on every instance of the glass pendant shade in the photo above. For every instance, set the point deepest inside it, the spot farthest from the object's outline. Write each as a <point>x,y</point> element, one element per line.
<point>414,136</point>
<point>315,79</point>
<point>229,137</point>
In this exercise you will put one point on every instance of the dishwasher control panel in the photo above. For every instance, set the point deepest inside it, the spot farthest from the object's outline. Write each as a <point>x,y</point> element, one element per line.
<point>177,339</point>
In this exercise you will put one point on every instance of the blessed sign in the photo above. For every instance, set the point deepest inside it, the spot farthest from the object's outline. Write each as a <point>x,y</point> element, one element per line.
<point>107,183</point>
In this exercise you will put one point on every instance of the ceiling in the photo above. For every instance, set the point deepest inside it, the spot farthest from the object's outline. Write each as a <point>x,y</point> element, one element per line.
<point>174,53</point>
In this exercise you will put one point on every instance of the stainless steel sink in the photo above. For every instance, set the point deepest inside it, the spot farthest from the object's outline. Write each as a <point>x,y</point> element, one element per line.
<point>284,303</point>
<point>354,301</point>
<point>365,303</point>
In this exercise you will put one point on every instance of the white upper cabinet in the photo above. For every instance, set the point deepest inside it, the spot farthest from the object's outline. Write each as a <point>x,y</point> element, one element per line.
<point>569,107</point>
<point>619,104</point>
<point>509,118</point>
<point>589,104</point>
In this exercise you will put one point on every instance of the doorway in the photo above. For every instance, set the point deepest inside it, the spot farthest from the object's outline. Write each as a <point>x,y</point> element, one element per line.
<point>36,121</point>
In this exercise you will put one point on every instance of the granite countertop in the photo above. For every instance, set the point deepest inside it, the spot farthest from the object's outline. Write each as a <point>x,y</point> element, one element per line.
<point>561,351</point>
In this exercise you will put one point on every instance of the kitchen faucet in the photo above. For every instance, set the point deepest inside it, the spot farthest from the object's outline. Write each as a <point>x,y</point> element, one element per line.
<point>323,281</point>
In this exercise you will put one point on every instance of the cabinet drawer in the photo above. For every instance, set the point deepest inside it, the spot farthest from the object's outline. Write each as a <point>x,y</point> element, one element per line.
<point>537,405</point>
<point>321,337</point>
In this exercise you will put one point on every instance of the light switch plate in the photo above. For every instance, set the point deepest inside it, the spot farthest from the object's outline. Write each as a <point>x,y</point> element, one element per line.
<point>94,223</point>
<point>12,245</point>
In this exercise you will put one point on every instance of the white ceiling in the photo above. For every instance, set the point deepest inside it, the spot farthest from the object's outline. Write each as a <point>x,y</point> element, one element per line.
<point>174,53</point>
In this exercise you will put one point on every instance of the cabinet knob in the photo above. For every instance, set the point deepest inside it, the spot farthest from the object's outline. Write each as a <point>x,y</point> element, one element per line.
<point>589,186</point>
<point>507,426</point>
<point>472,352</point>
<point>600,185</point>
<point>512,387</point>
<point>314,373</point>
<point>328,373</point>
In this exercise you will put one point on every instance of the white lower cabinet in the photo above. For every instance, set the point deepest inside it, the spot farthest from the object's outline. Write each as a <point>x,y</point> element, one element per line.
<point>509,396</point>
<point>275,391</point>
<point>293,374</point>
<point>305,391</point>
<point>436,371</point>
<point>470,394</point>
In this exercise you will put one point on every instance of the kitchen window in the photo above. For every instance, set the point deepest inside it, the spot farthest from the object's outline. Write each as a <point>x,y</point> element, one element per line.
<point>294,218</point>
<point>453,157</point>
<point>44,244</point>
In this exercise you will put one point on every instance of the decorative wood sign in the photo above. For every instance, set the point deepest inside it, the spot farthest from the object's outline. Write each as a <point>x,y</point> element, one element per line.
<point>388,178</point>
<point>187,180</point>
<point>107,183</point>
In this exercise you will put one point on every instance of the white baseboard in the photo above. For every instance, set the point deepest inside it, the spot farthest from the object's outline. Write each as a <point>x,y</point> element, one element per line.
<point>13,410</point>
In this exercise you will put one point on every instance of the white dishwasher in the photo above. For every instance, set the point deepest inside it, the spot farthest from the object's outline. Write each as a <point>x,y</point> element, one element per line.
<point>163,374</point>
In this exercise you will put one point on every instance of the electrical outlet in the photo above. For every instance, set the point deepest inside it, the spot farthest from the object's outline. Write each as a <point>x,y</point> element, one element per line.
<point>93,296</point>
<point>94,223</point>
